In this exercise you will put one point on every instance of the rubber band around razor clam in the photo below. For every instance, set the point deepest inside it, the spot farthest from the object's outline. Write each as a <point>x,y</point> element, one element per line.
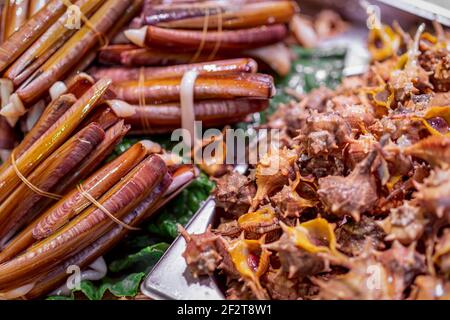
<point>103,209</point>
<point>204,33</point>
<point>219,38</point>
<point>103,38</point>
<point>30,185</point>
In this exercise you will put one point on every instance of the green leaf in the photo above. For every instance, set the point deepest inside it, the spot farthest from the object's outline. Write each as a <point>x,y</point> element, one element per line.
<point>135,242</point>
<point>91,291</point>
<point>147,257</point>
<point>71,297</point>
<point>125,287</point>
<point>182,208</point>
<point>311,69</point>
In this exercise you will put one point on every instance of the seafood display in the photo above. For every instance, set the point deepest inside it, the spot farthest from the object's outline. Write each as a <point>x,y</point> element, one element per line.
<point>55,212</point>
<point>70,191</point>
<point>350,202</point>
<point>357,202</point>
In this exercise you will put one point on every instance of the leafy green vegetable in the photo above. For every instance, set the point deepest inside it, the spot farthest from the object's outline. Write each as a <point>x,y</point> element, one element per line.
<point>315,68</point>
<point>125,287</point>
<point>71,297</point>
<point>311,69</point>
<point>145,257</point>
<point>182,208</point>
